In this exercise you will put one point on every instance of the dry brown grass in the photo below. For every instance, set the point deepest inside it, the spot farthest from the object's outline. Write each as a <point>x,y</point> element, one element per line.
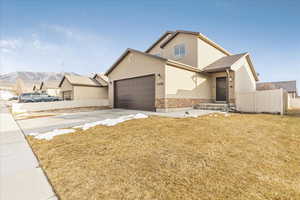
<point>211,157</point>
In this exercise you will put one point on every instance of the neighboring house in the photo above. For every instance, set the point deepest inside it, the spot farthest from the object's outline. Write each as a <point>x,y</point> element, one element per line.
<point>180,70</point>
<point>74,87</point>
<point>20,87</point>
<point>50,87</point>
<point>101,78</point>
<point>289,86</point>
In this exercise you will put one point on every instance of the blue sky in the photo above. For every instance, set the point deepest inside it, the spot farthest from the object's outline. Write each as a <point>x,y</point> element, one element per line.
<point>88,36</point>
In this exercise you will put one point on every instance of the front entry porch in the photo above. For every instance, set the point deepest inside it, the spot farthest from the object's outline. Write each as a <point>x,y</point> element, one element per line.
<point>222,92</point>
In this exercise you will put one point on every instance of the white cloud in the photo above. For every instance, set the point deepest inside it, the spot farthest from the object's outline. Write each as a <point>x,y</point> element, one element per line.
<point>9,45</point>
<point>63,30</point>
<point>56,48</point>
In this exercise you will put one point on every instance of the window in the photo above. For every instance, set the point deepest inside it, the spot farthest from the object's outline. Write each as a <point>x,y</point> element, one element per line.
<point>179,51</point>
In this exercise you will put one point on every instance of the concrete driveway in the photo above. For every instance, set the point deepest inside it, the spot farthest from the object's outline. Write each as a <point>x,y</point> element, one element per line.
<point>44,124</point>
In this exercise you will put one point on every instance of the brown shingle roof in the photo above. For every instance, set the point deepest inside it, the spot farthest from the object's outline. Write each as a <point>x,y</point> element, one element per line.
<point>80,81</point>
<point>49,84</point>
<point>289,86</point>
<point>223,63</point>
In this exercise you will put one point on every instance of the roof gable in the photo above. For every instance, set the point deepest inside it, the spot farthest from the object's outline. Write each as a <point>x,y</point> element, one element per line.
<point>127,51</point>
<point>226,62</point>
<point>200,36</point>
<point>76,80</point>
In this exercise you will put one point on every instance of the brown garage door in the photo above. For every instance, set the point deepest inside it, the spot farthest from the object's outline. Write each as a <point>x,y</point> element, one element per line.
<point>135,93</point>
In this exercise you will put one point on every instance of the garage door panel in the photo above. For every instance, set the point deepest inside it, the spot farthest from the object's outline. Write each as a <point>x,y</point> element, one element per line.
<point>136,93</point>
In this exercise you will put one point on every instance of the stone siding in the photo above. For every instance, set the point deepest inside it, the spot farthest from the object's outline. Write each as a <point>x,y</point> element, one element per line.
<point>178,102</point>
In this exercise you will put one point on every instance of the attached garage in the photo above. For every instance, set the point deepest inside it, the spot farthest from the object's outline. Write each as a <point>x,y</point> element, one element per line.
<point>135,93</point>
<point>142,81</point>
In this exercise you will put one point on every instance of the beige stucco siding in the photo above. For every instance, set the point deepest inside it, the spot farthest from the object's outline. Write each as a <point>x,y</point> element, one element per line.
<point>66,86</point>
<point>86,92</point>
<point>207,54</point>
<point>181,83</point>
<point>244,79</point>
<point>135,65</point>
<point>190,42</point>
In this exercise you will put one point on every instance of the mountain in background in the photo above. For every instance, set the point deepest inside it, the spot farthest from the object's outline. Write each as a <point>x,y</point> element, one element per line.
<point>30,78</point>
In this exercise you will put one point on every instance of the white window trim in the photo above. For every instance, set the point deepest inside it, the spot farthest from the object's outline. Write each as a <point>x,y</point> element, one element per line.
<point>179,56</point>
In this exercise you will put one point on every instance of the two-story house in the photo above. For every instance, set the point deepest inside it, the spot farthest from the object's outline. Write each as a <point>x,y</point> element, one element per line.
<point>180,70</point>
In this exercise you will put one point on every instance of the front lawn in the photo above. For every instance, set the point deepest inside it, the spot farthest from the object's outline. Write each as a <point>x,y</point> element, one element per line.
<point>210,157</point>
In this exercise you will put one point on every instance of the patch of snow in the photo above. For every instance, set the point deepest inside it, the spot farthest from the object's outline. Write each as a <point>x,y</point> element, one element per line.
<point>51,134</point>
<point>33,134</point>
<point>5,95</point>
<point>190,115</point>
<point>106,122</point>
<point>111,122</point>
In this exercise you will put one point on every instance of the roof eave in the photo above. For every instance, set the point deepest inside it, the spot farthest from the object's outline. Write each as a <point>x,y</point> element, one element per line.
<point>159,40</point>
<point>214,44</point>
<point>252,67</point>
<point>223,69</point>
<point>62,80</point>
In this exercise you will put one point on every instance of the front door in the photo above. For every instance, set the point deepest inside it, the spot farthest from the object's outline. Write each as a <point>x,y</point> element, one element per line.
<point>221,88</point>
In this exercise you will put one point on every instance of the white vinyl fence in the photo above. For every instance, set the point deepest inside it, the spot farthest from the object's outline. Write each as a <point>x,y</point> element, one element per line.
<point>266,101</point>
<point>294,103</point>
<point>44,106</point>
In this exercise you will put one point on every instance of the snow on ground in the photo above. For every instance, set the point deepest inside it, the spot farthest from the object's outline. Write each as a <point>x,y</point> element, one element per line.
<point>106,122</point>
<point>5,94</point>
<point>111,122</point>
<point>51,134</point>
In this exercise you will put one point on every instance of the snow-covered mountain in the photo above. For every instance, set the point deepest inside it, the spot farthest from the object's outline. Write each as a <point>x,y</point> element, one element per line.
<point>30,78</point>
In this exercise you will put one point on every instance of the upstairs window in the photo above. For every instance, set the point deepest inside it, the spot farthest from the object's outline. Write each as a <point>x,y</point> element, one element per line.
<point>179,51</point>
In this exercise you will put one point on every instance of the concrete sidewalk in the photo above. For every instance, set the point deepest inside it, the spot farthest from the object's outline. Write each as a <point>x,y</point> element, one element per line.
<point>20,174</point>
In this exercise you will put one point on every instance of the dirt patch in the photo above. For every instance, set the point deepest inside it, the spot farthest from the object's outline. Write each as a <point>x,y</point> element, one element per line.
<point>231,157</point>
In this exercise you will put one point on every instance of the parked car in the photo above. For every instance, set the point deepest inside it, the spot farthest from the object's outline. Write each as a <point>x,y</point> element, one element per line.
<point>26,97</point>
<point>47,98</point>
<point>37,97</point>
